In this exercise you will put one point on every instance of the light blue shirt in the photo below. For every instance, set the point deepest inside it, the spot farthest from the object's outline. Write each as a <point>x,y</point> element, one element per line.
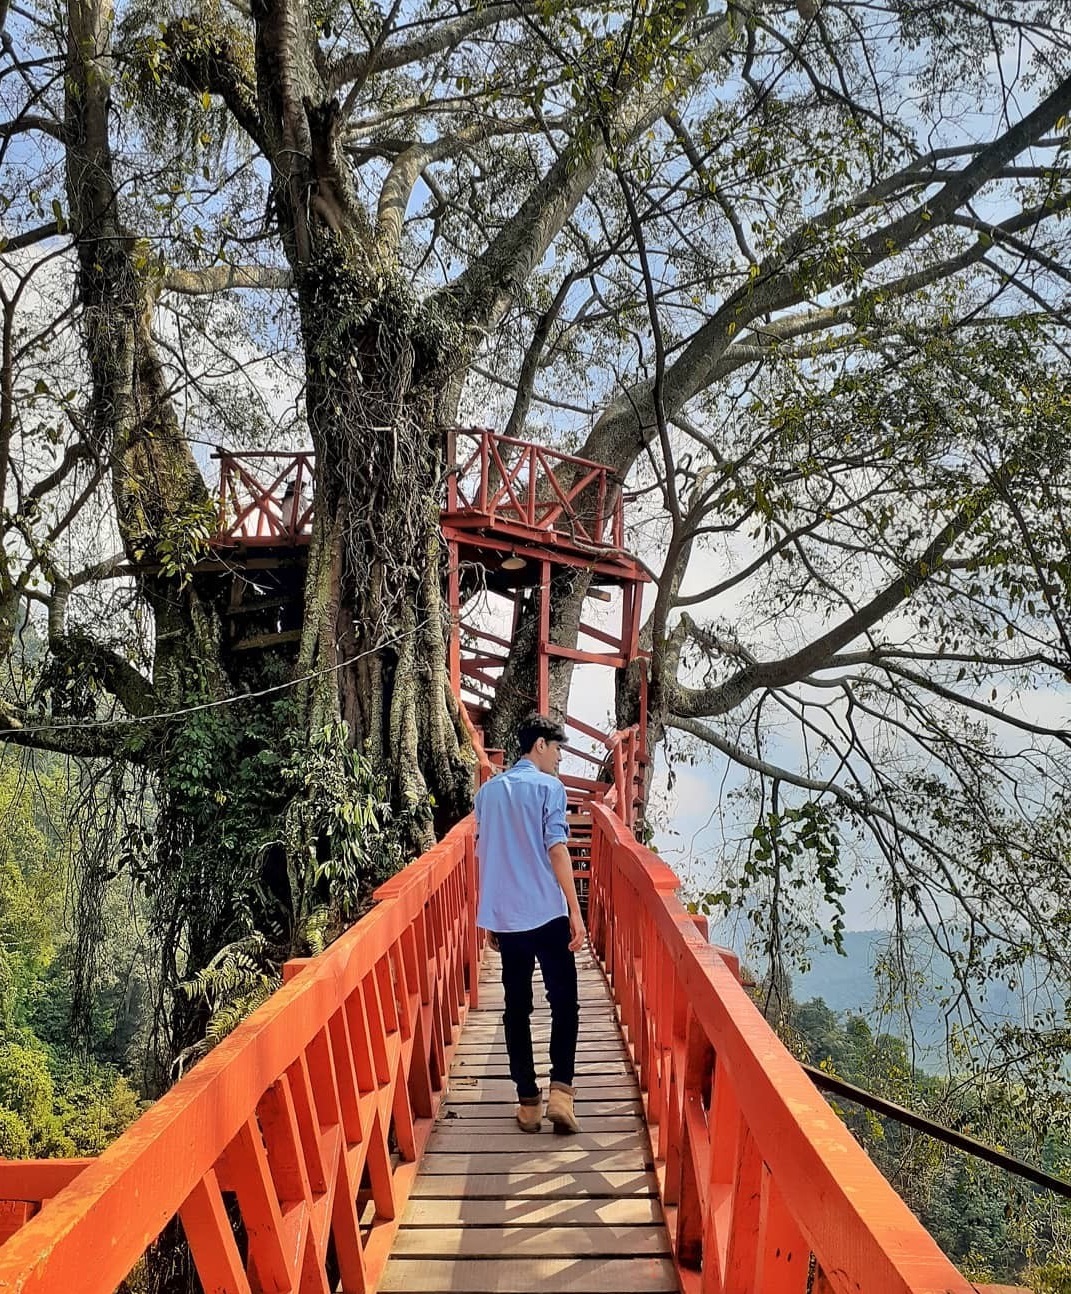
<point>520,814</point>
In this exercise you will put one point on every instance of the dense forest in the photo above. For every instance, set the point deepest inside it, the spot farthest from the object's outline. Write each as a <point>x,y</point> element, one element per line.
<point>71,1037</point>
<point>994,1226</point>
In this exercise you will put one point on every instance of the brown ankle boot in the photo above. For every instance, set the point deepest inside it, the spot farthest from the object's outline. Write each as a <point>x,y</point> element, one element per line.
<point>560,1109</point>
<point>530,1114</point>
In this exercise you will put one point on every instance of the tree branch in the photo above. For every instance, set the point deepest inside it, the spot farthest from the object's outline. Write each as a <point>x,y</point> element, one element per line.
<point>133,691</point>
<point>629,422</point>
<point>532,356</point>
<point>222,278</point>
<point>441,36</point>
<point>403,175</point>
<point>31,237</point>
<point>864,808</point>
<point>215,68</point>
<point>483,292</point>
<point>89,741</point>
<point>692,703</point>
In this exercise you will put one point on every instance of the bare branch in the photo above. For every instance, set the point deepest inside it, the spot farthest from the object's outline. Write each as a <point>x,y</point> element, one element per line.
<point>692,703</point>
<point>439,37</point>
<point>30,237</point>
<point>630,421</point>
<point>408,167</point>
<point>224,278</point>
<point>29,121</point>
<point>483,292</point>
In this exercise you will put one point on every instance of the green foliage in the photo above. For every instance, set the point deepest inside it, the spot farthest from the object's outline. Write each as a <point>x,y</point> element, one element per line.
<point>793,849</point>
<point>93,1106</point>
<point>238,979</point>
<point>14,1136</point>
<point>28,905</point>
<point>342,833</point>
<point>223,796</point>
<point>184,537</point>
<point>51,1108</point>
<point>1050,1278</point>
<point>52,1102</point>
<point>994,1226</point>
<point>283,841</point>
<point>27,1090</point>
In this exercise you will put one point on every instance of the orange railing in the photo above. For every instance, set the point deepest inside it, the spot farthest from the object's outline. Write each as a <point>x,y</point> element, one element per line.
<point>764,1189</point>
<point>529,485</point>
<point>308,1121</point>
<point>265,498</point>
<point>289,1151</point>
<point>627,766</point>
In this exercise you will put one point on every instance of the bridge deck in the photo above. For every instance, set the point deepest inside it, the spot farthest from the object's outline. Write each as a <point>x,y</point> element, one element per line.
<point>498,1211</point>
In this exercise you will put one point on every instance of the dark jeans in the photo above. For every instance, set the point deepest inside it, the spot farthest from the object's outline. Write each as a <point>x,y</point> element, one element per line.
<point>521,949</point>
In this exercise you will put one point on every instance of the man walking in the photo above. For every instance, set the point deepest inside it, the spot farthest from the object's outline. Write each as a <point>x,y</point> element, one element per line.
<point>528,901</point>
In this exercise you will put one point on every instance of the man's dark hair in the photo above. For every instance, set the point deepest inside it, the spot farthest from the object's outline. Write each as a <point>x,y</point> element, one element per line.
<point>535,726</point>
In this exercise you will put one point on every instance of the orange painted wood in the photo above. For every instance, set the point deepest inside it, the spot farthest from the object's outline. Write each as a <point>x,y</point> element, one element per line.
<point>346,1077</point>
<point>212,1243</point>
<point>286,1113</point>
<point>721,1089</point>
<point>688,1241</point>
<point>308,1124</point>
<point>13,1215</point>
<point>379,1171</point>
<point>245,1170</point>
<point>745,1238</point>
<point>346,1231</point>
<point>282,1138</point>
<point>37,1179</point>
<point>784,1258</point>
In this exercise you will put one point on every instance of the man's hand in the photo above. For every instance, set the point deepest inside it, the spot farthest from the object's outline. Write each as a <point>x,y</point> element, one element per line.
<point>577,933</point>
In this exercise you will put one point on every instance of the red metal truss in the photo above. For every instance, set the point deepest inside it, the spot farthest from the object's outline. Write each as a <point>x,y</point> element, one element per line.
<point>478,657</point>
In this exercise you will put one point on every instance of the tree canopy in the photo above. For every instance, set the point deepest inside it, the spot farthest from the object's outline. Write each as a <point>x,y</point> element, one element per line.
<point>797,272</point>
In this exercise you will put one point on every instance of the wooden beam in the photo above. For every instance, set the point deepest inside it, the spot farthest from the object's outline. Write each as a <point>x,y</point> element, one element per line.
<point>587,657</point>
<point>267,640</point>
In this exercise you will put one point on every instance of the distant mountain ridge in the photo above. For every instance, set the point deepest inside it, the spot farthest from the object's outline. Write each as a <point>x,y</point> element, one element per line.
<point>849,983</point>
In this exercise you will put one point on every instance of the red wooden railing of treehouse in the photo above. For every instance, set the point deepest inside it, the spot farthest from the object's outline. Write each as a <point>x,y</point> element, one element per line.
<point>519,483</point>
<point>265,497</point>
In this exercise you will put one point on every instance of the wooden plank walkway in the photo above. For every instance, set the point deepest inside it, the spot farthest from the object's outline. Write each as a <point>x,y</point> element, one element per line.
<point>498,1211</point>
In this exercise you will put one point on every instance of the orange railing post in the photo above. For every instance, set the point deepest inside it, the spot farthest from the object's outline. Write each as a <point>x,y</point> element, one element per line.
<point>763,1187</point>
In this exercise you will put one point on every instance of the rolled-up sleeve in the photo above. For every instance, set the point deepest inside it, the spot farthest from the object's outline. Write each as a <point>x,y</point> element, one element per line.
<point>555,826</point>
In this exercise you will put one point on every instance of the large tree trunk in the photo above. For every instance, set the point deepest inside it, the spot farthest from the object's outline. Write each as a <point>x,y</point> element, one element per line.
<point>377,364</point>
<point>232,845</point>
<point>375,627</point>
<point>517,691</point>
